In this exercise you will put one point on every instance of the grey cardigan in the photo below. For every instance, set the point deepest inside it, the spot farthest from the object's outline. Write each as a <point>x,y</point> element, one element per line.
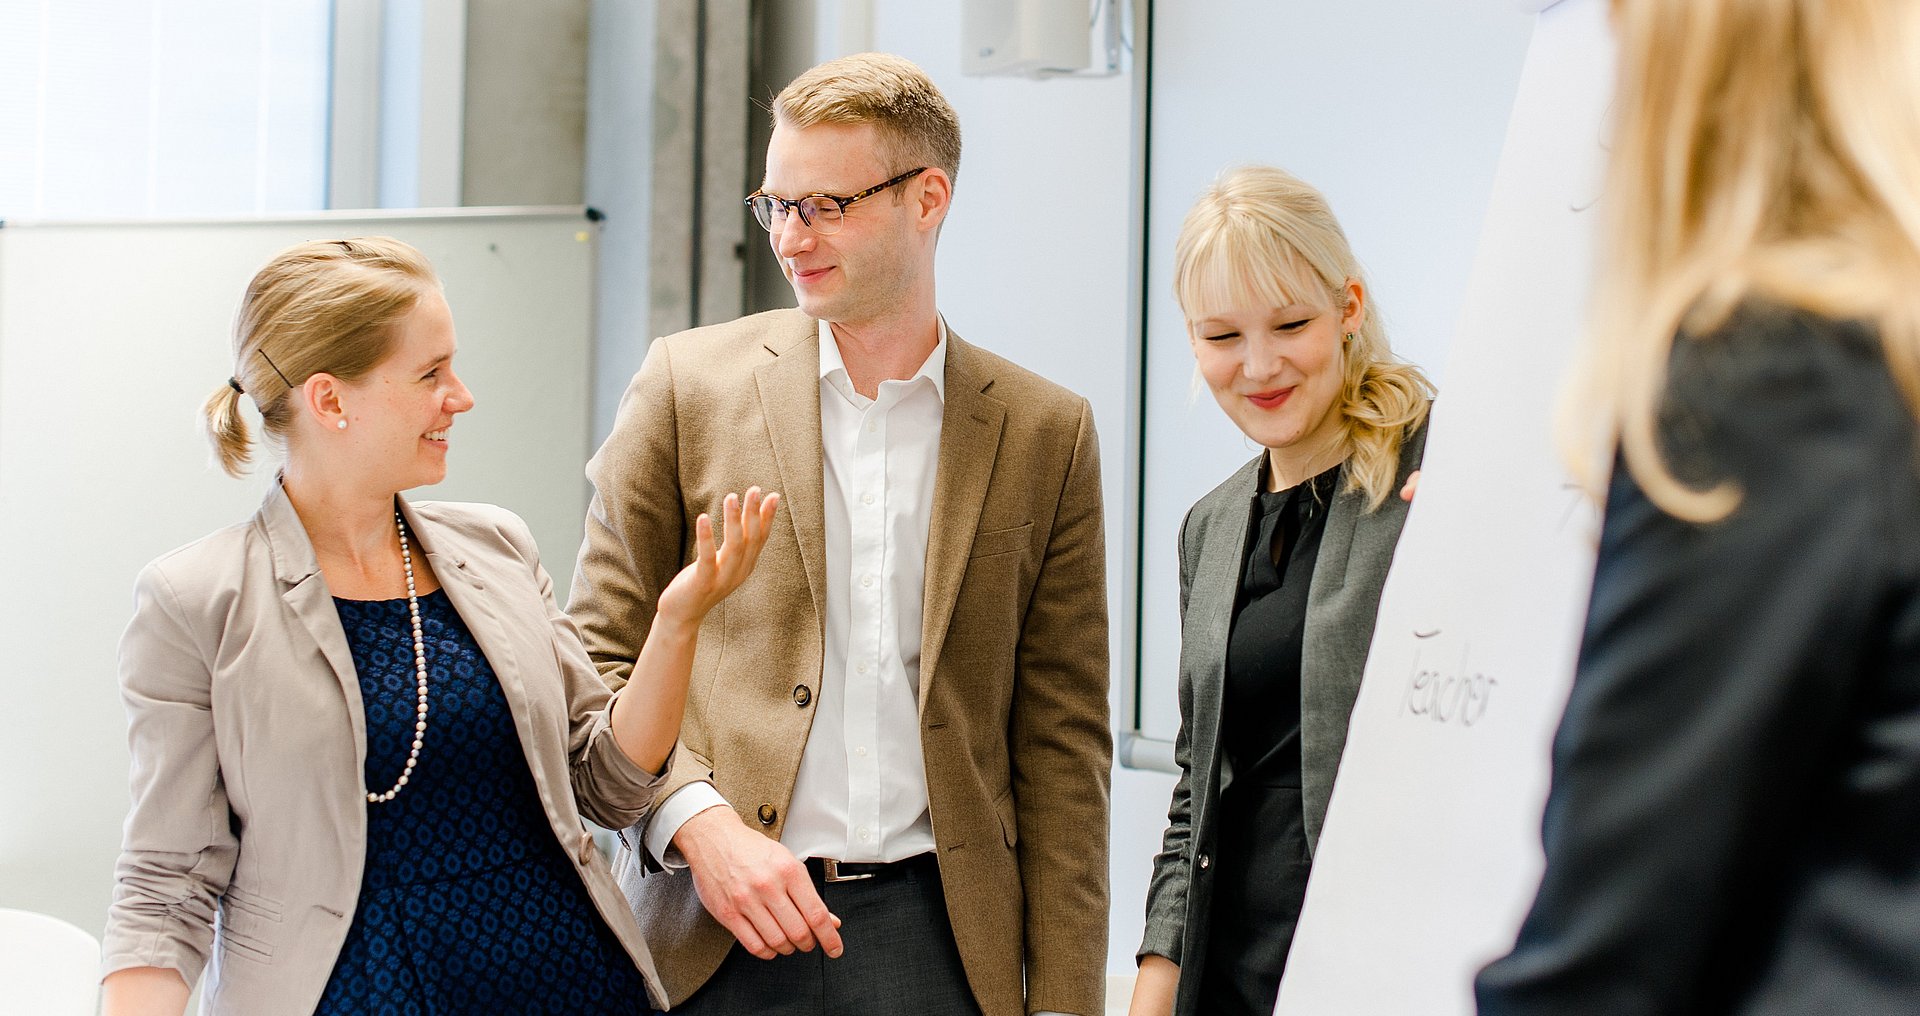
<point>1355,551</point>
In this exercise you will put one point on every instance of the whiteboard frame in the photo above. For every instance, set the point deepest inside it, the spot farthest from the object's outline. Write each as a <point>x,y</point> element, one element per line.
<point>582,212</point>
<point>1134,749</point>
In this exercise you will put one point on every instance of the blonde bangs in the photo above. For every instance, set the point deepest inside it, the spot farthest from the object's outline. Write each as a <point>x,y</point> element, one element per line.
<point>1241,264</point>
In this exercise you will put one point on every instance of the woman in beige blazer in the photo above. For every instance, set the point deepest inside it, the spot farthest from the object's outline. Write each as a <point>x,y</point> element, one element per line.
<point>363,735</point>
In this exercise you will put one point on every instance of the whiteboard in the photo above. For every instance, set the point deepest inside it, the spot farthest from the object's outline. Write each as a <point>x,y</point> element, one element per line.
<point>111,335</point>
<point>1430,855</point>
<point>1396,110</point>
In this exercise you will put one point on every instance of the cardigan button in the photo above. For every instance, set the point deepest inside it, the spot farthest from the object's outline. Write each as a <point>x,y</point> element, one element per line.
<point>768,813</point>
<point>1205,861</point>
<point>802,695</point>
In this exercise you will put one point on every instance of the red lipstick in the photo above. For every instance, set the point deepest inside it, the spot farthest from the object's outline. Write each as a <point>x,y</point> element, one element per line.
<point>1270,400</point>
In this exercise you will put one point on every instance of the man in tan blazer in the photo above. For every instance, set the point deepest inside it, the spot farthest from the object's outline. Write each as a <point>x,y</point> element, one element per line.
<point>890,794</point>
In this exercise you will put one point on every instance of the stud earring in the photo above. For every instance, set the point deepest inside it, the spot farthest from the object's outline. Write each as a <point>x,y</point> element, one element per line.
<point>1348,339</point>
<point>342,425</point>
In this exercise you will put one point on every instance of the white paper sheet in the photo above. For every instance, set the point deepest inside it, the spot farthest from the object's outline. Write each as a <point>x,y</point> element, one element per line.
<point>1430,855</point>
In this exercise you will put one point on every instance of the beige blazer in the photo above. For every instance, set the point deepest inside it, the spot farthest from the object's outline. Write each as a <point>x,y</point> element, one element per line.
<point>244,847</point>
<point>1013,659</point>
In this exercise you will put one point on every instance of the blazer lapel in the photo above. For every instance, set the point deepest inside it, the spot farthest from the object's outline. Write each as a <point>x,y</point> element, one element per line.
<point>1352,529</point>
<point>1356,549</point>
<point>789,387</point>
<point>1329,681</point>
<point>498,636</point>
<point>305,592</point>
<point>969,441</point>
<point>1216,580</point>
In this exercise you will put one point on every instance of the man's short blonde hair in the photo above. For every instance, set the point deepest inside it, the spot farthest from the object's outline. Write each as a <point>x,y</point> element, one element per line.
<point>917,125</point>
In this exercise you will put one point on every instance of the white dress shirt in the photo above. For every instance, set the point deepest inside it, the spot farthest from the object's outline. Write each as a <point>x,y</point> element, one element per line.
<point>861,793</point>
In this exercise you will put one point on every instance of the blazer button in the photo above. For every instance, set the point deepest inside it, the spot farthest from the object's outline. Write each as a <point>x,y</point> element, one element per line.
<point>587,850</point>
<point>767,814</point>
<point>1205,861</point>
<point>802,695</point>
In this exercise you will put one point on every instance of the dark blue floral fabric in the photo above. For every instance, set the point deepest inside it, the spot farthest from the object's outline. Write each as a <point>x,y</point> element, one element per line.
<point>469,905</point>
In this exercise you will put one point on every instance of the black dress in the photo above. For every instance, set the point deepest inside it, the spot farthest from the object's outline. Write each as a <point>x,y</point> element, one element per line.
<point>468,905</point>
<point>1260,856</point>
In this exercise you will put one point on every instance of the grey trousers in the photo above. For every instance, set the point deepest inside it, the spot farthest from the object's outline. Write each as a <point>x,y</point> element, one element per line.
<point>899,959</point>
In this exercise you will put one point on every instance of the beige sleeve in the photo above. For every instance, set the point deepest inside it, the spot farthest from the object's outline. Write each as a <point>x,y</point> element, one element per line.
<point>178,848</point>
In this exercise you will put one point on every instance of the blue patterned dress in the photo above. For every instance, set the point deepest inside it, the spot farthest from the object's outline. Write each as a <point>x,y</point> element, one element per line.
<point>468,905</point>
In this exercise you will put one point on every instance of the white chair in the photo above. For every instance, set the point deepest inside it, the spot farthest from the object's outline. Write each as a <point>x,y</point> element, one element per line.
<point>47,966</point>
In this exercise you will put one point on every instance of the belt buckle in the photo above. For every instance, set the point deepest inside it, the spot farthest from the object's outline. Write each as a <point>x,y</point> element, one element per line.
<point>832,869</point>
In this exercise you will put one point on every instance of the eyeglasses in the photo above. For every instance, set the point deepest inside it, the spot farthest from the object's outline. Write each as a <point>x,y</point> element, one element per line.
<point>821,212</point>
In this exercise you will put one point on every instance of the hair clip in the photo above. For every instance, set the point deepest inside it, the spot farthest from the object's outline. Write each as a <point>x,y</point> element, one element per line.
<point>275,366</point>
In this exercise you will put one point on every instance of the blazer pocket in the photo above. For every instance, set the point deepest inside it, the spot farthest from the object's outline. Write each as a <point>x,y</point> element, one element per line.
<point>1009,825</point>
<point>252,903</point>
<point>245,946</point>
<point>248,924</point>
<point>1001,541</point>
<point>237,938</point>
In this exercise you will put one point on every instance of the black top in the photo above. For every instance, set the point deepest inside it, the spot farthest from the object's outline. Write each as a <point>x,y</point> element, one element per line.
<point>1260,726</point>
<point>1260,846</point>
<point>467,902</point>
<point>1734,818</point>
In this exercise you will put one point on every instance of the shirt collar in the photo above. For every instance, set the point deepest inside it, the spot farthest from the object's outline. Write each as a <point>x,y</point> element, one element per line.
<point>933,369</point>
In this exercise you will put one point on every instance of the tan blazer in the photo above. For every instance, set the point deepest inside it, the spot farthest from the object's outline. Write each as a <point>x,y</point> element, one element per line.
<point>1013,671</point>
<point>244,848</point>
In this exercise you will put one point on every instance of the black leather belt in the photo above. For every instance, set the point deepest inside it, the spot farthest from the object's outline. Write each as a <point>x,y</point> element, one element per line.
<point>826,869</point>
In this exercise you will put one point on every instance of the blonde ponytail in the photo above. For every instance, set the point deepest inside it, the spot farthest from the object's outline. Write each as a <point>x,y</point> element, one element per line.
<point>227,429</point>
<point>1387,403</point>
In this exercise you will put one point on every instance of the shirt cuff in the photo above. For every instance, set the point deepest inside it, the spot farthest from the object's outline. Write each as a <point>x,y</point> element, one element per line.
<point>673,813</point>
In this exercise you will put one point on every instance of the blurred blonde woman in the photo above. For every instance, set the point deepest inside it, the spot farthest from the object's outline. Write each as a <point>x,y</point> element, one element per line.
<point>1280,575</point>
<point>1734,819</point>
<point>363,736</point>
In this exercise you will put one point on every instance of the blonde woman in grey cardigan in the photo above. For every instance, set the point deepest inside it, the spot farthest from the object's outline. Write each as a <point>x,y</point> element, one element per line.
<point>1280,575</point>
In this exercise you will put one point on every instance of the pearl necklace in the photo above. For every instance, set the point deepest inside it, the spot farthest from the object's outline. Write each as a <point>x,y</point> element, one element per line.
<point>419,670</point>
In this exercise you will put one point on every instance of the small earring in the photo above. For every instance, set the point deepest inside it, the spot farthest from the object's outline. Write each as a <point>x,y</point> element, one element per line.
<point>342,425</point>
<point>1349,339</point>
